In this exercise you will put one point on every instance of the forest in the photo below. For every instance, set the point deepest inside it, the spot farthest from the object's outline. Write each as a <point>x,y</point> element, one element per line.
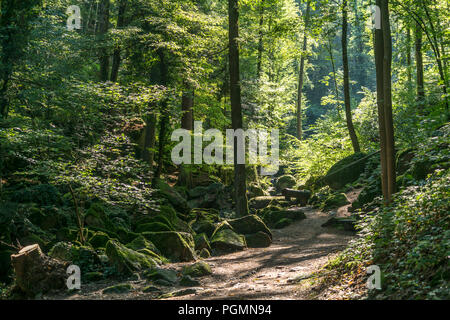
<point>224,149</point>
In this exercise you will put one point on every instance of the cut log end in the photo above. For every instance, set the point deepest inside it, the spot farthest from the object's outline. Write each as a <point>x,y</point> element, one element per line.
<point>35,272</point>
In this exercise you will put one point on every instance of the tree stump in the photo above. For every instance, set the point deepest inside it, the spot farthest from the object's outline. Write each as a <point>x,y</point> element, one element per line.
<point>36,272</point>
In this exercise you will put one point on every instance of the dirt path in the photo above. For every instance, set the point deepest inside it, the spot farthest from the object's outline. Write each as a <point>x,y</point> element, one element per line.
<point>298,249</point>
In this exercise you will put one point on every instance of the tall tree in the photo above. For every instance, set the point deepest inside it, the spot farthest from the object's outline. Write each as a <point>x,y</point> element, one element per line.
<point>116,55</point>
<point>240,189</point>
<point>348,111</point>
<point>301,72</point>
<point>383,61</point>
<point>103,26</point>
<point>187,123</point>
<point>419,66</point>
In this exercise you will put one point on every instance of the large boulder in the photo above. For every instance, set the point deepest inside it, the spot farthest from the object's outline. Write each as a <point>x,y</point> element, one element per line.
<point>335,200</point>
<point>272,215</point>
<point>174,197</point>
<point>177,246</point>
<point>83,256</point>
<point>249,224</point>
<point>203,220</point>
<point>227,240</point>
<point>201,242</point>
<point>142,245</point>
<point>346,170</point>
<point>127,260</point>
<point>286,181</point>
<point>262,202</point>
<point>198,269</point>
<point>158,274</point>
<point>254,191</point>
<point>258,240</point>
<point>99,240</point>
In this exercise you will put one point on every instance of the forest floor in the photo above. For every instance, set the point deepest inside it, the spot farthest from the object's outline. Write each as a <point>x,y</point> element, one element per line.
<point>297,251</point>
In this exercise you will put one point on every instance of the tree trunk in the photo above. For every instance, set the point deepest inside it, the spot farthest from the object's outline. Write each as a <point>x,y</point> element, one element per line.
<point>236,108</point>
<point>387,97</point>
<point>164,121</point>
<point>348,112</point>
<point>419,68</point>
<point>260,42</point>
<point>35,272</point>
<point>150,137</point>
<point>408,56</point>
<point>116,54</point>
<point>301,74</point>
<point>187,122</point>
<point>379,55</point>
<point>103,26</point>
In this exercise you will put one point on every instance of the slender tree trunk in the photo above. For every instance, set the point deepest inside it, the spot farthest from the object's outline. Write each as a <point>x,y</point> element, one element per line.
<point>388,119</point>
<point>150,137</point>
<point>408,56</point>
<point>236,108</point>
<point>164,121</point>
<point>116,54</point>
<point>348,112</point>
<point>379,56</point>
<point>419,68</point>
<point>260,41</point>
<point>301,74</point>
<point>333,68</point>
<point>187,122</point>
<point>103,26</point>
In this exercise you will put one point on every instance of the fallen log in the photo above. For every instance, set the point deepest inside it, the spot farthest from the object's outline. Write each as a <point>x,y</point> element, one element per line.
<point>301,196</point>
<point>36,272</point>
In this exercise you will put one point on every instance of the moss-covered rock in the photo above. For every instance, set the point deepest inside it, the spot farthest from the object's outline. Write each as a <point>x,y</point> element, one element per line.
<point>177,246</point>
<point>208,214</point>
<point>221,226</point>
<point>61,251</point>
<point>255,191</point>
<point>259,239</point>
<point>286,181</point>
<point>118,288</point>
<point>335,200</point>
<point>226,240</point>
<point>263,202</point>
<point>249,224</point>
<point>99,240</point>
<point>127,260</point>
<point>174,198</point>
<point>83,256</point>
<point>346,171</point>
<point>271,216</point>
<point>198,269</point>
<point>155,274</point>
<point>201,241</point>
<point>142,243</point>
<point>203,226</point>
<point>282,223</point>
